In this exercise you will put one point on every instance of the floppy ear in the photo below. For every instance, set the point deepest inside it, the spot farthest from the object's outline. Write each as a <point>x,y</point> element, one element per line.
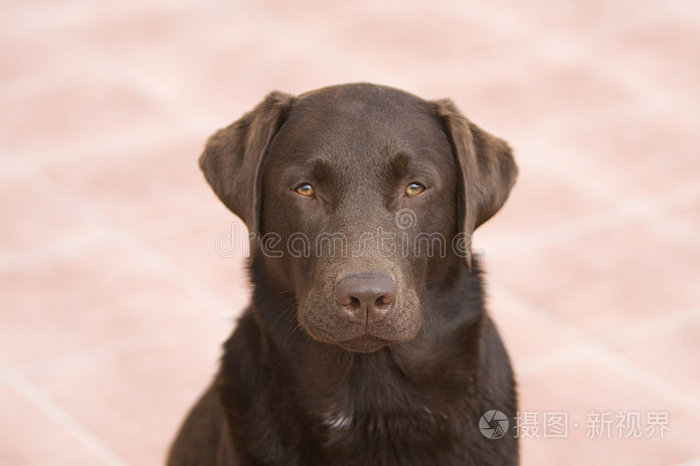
<point>233,157</point>
<point>487,168</point>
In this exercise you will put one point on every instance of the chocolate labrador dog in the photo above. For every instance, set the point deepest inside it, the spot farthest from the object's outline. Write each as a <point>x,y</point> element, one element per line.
<point>366,341</point>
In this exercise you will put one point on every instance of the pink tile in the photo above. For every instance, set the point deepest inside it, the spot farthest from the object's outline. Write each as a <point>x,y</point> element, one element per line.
<point>33,219</point>
<point>86,302</point>
<point>23,55</point>
<point>146,182</point>
<point>525,335</point>
<point>226,76</point>
<point>672,355</point>
<point>662,52</point>
<point>687,214</point>
<point>209,242</point>
<point>539,200</point>
<point>150,25</point>
<point>136,399</point>
<point>636,154</point>
<point>512,90</point>
<point>591,386</point>
<point>588,20</point>
<point>315,8</point>
<point>28,437</point>
<point>601,281</point>
<point>85,111</point>
<point>392,37</point>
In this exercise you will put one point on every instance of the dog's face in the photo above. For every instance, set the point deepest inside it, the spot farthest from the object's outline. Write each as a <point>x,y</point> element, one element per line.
<point>355,176</point>
<point>358,195</point>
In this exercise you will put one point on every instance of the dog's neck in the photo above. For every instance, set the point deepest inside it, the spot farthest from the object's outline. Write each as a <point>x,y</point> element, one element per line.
<point>419,389</point>
<point>426,363</point>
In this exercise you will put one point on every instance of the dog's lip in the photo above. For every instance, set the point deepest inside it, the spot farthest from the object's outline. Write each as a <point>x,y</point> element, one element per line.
<point>365,343</point>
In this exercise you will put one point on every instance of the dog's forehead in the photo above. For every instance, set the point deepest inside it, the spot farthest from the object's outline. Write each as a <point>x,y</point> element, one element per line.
<point>360,123</point>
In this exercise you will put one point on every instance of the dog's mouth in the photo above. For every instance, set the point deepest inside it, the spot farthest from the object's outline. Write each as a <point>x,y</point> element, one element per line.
<point>323,322</point>
<point>363,344</point>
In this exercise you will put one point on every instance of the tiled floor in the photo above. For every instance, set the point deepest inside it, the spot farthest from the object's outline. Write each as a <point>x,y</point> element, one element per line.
<point>113,301</point>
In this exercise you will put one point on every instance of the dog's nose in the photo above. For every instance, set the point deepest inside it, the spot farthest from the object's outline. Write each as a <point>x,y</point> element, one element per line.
<point>365,298</point>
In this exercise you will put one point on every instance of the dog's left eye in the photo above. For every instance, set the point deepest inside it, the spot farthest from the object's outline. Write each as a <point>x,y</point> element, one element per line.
<point>414,189</point>
<point>305,189</point>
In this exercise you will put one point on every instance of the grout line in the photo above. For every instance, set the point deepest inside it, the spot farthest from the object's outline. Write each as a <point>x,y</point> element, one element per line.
<point>60,417</point>
<point>651,210</point>
<point>629,211</point>
<point>651,381</point>
<point>183,278</point>
<point>185,330</point>
<point>554,358</point>
<point>188,115</point>
<point>563,231</point>
<point>117,236</point>
<point>559,46</point>
<point>34,84</point>
<point>61,17</point>
<point>692,462</point>
<point>604,194</point>
<point>130,240</point>
<point>548,126</point>
<point>654,327</point>
<point>146,137</point>
<point>45,255</point>
<point>587,345</point>
<point>327,53</point>
<point>677,232</point>
<point>528,309</point>
<point>194,117</point>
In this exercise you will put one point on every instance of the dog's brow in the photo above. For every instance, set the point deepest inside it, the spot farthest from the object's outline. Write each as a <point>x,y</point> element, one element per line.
<point>321,169</point>
<point>399,163</point>
<point>310,169</point>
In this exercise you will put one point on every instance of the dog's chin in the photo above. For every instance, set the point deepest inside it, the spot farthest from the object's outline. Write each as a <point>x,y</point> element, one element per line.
<point>355,337</point>
<point>363,344</point>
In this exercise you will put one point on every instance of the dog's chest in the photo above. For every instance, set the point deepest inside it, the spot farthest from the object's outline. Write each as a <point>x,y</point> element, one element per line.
<point>381,415</point>
<point>401,435</point>
<point>337,421</point>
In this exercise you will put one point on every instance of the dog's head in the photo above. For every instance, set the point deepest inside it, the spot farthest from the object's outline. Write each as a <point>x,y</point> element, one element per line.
<point>359,196</point>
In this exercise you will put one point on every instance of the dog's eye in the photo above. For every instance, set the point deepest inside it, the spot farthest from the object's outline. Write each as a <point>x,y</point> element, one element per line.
<point>414,189</point>
<point>305,189</point>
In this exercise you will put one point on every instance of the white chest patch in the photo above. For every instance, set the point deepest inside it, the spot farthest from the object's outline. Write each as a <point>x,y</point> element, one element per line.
<point>337,420</point>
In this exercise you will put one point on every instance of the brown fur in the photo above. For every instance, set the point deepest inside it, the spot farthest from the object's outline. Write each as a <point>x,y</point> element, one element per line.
<point>313,374</point>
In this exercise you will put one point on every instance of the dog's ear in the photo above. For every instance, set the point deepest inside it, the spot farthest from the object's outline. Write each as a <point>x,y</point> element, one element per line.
<point>233,157</point>
<point>487,168</point>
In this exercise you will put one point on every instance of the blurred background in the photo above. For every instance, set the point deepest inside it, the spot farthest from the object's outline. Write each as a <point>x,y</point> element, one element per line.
<point>114,301</point>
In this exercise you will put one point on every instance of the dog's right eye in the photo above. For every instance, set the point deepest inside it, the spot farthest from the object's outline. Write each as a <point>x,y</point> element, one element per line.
<point>305,189</point>
<point>414,189</point>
